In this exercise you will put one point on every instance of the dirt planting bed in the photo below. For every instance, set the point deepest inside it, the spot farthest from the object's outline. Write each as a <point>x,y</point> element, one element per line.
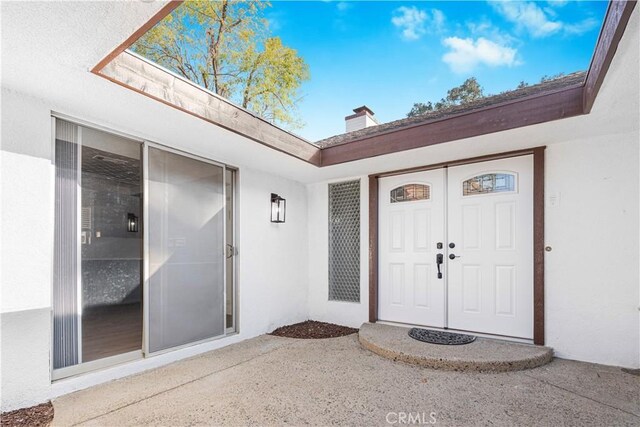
<point>313,330</point>
<point>40,416</point>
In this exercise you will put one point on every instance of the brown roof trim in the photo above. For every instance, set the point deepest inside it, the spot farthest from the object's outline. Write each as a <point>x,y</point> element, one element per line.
<point>518,113</point>
<point>147,78</point>
<point>530,92</point>
<point>157,17</point>
<point>615,22</point>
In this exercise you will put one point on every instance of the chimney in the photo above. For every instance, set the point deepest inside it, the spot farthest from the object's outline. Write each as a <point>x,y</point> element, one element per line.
<point>363,118</point>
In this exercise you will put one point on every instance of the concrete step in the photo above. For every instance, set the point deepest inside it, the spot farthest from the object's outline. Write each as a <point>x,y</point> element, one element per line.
<point>482,355</point>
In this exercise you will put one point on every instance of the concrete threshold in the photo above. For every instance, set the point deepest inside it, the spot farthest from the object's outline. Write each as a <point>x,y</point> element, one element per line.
<point>482,355</point>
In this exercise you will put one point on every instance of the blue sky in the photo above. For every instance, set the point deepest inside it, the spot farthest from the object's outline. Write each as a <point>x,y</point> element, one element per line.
<point>389,54</point>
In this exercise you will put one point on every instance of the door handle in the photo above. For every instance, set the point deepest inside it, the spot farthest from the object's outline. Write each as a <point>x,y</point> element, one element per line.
<point>231,251</point>
<point>454,256</point>
<point>439,262</point>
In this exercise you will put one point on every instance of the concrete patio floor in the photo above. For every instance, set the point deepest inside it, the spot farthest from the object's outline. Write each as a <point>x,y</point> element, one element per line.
<point>273,381</point>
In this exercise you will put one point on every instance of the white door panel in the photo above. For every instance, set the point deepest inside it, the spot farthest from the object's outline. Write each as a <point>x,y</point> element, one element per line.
<point>409,288</point>
<point>490,283</point>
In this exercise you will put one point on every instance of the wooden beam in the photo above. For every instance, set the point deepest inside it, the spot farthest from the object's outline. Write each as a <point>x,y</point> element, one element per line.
<point>458,162</point>
<point>538,246</point>
<point>514,114</point>
<point>142,76</point>
<point>166,10</point>
<point>615,22</point>
<point>373,249</point>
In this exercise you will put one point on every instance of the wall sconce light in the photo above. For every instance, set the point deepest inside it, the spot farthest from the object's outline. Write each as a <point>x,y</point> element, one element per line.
<point>132,223</point>
<point>278,208</point>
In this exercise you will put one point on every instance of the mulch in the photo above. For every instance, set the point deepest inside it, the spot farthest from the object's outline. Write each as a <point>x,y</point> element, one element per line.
<point>40,416</point>
<point>313,330</point>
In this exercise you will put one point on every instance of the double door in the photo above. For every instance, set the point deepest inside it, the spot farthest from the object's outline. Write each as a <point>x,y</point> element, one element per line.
<point>456,248</point>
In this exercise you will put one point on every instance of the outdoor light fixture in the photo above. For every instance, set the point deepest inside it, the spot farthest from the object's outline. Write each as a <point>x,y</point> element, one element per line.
<point>278,208</point>
<point>132,223</point>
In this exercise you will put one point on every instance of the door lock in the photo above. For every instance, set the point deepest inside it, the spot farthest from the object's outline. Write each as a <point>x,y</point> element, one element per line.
<point>439,262</point>
<point>452,245</point>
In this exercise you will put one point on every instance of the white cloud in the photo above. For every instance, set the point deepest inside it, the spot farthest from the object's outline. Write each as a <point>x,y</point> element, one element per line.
<point>437,19</point>
<point>415,22</point>
<point>582,26</point>
<point>529,16</point>
<point>540,22</point>
<point>558,3</point>
<point>465,55</point>
<point>485,28</point>
<point>411,21</point>
<point>343,6</point>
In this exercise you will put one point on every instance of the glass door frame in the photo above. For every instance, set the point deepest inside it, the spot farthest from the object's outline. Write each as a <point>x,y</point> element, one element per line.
<point>145,244</point>
<point>84,367</point>
<point>107,362</point>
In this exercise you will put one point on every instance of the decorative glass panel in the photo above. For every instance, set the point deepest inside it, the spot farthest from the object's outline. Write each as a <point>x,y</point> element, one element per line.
<point>344,241</point>
<point>489,183</point>
<point>410,193</point>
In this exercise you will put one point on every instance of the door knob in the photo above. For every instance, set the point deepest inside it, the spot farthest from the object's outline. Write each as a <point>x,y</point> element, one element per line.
<point>439,261</point>
<point>453,256</point>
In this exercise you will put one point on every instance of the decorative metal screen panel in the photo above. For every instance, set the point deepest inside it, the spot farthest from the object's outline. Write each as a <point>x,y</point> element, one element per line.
<point>489,183</point>
<point>410,193</point>
<point>344,241</point>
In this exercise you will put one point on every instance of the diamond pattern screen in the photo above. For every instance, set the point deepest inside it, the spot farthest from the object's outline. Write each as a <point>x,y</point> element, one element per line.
<point>344,241</point>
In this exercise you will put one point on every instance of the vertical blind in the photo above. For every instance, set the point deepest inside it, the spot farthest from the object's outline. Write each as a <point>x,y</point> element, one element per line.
<point>65,268</point>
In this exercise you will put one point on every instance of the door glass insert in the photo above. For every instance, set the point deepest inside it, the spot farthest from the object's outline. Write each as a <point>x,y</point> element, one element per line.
<point>97,302</point>
<point>111,245</point>
<point>186,250</point>
<point>410,192</point>
<point>489,183</point>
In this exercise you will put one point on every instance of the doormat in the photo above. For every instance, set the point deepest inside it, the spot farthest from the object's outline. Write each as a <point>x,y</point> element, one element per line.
<point>440,337</point>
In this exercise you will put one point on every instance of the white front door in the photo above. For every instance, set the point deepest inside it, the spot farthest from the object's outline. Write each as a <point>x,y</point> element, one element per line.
<point>411,223</point>
<point>490,282</point>
<point>479,217</point>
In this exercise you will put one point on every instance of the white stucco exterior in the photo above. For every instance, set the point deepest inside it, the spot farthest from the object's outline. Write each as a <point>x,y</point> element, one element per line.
<point>592,164</point>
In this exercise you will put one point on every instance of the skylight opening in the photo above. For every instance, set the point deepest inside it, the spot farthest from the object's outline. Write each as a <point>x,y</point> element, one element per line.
<point>304,65</point>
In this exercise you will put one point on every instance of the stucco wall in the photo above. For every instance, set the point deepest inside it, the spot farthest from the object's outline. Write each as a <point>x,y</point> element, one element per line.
<point>272,261</point>
<point>591,275</point>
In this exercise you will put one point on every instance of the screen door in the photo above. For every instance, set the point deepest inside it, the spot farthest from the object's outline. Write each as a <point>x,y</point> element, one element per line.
<point>185,276</point>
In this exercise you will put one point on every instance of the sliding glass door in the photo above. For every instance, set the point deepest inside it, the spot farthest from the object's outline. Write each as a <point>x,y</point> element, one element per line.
<point>186,242</point>
<point>144,256</point>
